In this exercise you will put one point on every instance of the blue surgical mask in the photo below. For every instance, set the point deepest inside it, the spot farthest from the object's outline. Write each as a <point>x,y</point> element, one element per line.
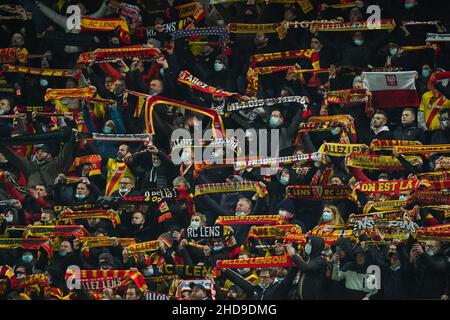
<point>240,213</point>
<point>395,268</point>
<point>426,73</point>
<point>284,180</point>
<point>218,66</point>
<point>80,196</point>
<point>157,164</point>
<point>148,272</point>
<point>43,82</point>
<point>195,224</point>
<point>274,122</point>
<point>9,218</point>
<point>327,216</point>
<point>217,248</point>
<point>107,129</point>
<point>308,248</point>
<point>393,51</point>
<point>2,112</point>
<point>27,257</point>
<point>283,213</point>
<point>334,132</point>
<point>161,72</point>
<point>409,6</point>
<point>430,252</point>
<point>358,42</point>
<point>62,253</point>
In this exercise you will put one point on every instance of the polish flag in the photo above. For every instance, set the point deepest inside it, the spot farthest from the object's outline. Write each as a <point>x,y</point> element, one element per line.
<point>392,89</point>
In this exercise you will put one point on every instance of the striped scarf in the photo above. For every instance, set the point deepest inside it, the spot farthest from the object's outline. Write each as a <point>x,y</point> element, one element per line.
<point>319,193</point>
<point>81,93</point>
<point>91,214</point>
<point>221,32</point>
<point>195,83</point>
<point>103,24</point>
<point>250,219</point>
<point>377,162</point>
<point>39,71</point>
<point>231,187</point>
<point>11,55</point>
<point>377,145</point>
<point>108,54</point>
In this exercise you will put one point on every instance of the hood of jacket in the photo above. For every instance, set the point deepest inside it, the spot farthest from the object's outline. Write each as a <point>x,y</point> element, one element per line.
<point>317,246</point>
<point>346,245</point>
<point>384,128</point>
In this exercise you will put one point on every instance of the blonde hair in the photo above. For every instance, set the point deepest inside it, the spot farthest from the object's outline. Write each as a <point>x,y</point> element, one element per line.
<point>201,216</point>
<point>337,216</point>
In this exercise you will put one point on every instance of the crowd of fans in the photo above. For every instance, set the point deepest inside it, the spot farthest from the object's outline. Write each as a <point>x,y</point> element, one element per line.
<point>39,180</point>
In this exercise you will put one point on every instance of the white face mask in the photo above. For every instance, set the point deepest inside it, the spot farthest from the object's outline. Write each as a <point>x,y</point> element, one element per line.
<point>9,218</point>
<point>395,268</point>
<point>264,286</point>
<point>123,190</point>
<point>430,252</point>
<point>402,197</point>
<point>240,213</point>
<point>185,157</point>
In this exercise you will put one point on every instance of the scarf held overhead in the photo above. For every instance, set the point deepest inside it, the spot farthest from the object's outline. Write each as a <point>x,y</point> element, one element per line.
<point>99,24</point>
<point>319,192</point>
<point>231,187</point>
<point>377,162</point>
<point>250,219</point>
<point>392,186</point>
<point>258,262</point>
<point>195,83</point>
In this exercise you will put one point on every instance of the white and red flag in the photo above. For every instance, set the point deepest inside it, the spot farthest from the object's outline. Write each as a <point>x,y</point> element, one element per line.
<point>392,89</point>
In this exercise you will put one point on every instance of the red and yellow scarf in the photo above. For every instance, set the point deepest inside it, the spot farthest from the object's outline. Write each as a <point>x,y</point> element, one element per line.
<point>39,71</point>
<point>101,24</point>
<point>251,219</point>
<point>81,93</point>
<point>258,262</point>
<point>319,193</point>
